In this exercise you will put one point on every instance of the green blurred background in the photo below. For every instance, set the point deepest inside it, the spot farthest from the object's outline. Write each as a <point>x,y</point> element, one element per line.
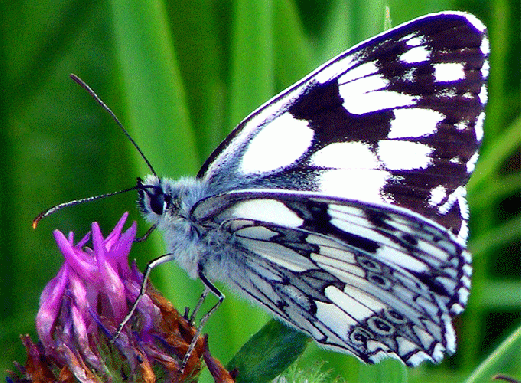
<point>180,75</point>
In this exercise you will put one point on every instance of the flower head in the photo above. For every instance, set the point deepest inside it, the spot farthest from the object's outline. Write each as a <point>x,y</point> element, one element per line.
<point>82,307</point>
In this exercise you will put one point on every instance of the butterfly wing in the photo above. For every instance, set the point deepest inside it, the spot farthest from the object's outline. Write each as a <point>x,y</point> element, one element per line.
<point>339,205</point>
<point>397,119</point>
<point>366,279</point>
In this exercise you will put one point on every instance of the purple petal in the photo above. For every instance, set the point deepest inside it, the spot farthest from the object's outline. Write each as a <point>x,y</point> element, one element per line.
<point>50,306</point>
<point>109,281</point>
<point>113,237</point>
<point>74,257</point>
<point>121,250</point>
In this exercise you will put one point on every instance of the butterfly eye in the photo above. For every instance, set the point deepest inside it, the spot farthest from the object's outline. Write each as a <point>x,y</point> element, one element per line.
<point>157,200</point>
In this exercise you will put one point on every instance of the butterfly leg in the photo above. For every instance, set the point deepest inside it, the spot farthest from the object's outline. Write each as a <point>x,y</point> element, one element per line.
<point>191,318</point>
<point>208,287</point>
<point>151,265</point>
<point>144,237</point>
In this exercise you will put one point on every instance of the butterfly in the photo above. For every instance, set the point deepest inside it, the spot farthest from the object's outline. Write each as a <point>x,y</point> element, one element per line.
<point>339,205</point>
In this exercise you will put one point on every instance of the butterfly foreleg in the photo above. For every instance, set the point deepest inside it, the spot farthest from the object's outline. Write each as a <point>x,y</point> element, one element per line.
<point>142,290</point>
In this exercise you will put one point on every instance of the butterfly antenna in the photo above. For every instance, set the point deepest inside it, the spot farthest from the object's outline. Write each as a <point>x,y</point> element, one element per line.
<point>75,202</point>
<point>82,83</point>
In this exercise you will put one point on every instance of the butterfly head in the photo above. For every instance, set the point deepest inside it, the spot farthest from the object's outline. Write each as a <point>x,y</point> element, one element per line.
<point>153,199</point>
<point>163,199</point>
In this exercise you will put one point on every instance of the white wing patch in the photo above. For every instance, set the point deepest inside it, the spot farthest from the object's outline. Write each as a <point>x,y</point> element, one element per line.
<point>413,40</point>
<point>291,261</point>
<point>287,138</point>
<point>438,194</point>
<point>369,94</point>
<point>404,155</point>
<point>356,184</point>
<point>357,310</point>
<point>269,210</point>
<point>444,72</point>
<point>347,155</point>
<point>416,55</point>
<point>414,122</point>
<point>480,123</point>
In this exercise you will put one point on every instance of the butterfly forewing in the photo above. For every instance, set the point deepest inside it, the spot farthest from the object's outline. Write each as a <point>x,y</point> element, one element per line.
<point>397,119</point>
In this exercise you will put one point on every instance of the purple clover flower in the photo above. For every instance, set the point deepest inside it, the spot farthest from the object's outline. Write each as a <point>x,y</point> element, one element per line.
<point>82,307</point>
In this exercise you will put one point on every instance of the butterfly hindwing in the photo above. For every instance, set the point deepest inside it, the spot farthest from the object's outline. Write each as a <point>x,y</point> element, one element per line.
<point>359,278</point>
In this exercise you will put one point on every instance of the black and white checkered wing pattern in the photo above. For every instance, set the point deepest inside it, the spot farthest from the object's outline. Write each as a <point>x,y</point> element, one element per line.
<point>339,205</point>
<point>397,119</point>
<point>365,279</point>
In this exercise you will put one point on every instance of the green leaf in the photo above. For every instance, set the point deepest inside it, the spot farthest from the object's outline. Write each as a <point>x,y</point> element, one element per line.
<point>503,359</point>
<point>268,353</point>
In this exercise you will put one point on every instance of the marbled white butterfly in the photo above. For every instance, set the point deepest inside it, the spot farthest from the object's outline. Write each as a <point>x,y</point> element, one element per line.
<point>339,205</point>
